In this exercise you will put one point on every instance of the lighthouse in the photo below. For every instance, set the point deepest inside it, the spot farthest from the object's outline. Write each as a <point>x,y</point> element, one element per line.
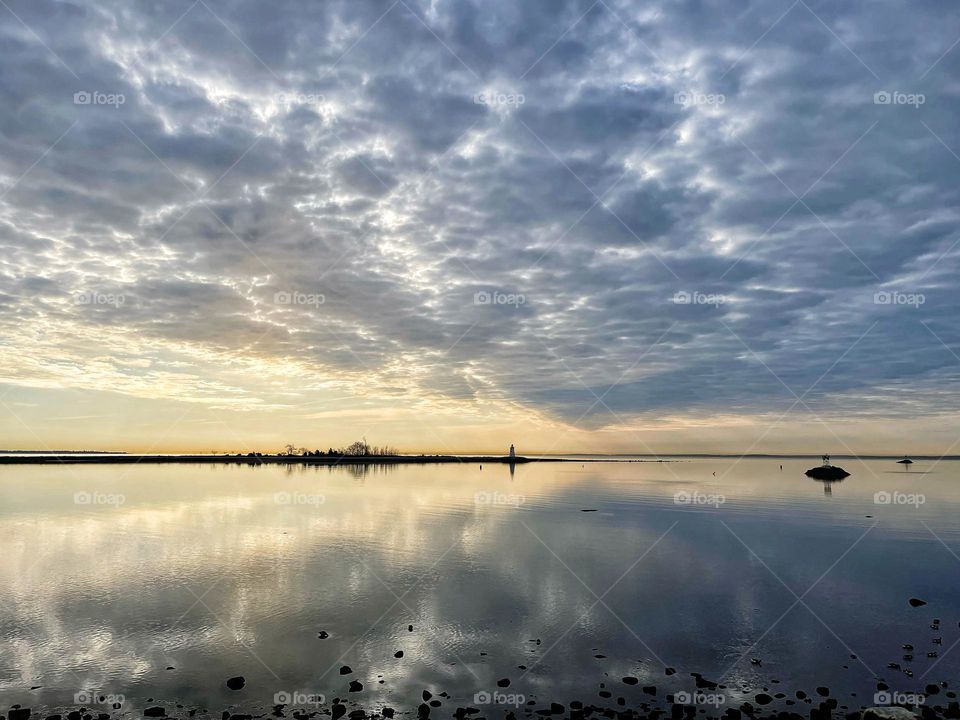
<point>513,452</point>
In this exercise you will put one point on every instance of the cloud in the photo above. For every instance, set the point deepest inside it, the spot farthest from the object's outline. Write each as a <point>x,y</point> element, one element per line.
<point>595,160</point>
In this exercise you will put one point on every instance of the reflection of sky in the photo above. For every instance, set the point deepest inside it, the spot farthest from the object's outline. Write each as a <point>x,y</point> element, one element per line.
<point>202,569</point>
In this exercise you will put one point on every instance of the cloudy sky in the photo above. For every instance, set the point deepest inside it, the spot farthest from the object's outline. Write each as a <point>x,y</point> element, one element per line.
<point>705,225</point>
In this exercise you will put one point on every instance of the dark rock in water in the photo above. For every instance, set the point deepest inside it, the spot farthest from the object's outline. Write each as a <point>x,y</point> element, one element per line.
<point>931,689</point>
<point>19,713</point>
<point>732,714</point>
<point>409,628</point>
<point>426,695</point>
<point>398,654</point>
<point>323,635</point>
<point>338,710</point>
<point>823,691</point>
<point>763,699</point>
<point>423,711</point>
<point>346,670</point>
<point>557,708</point>
<point>917,602</point>
<point>907,646</point>
<point>669,671</point>
<point>887,713</point>
<point>236,683</point>
<point>503,682</point>
<point>152,712</point>
<point>827,472</point>
<point>630,680</point>
<point>387,712</point>
<point>650,689</point>
<point>356,686</point>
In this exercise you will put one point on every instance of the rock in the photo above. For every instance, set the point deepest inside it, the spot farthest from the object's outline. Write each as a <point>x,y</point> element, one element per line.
<point>356,686</point>
<point>346,670</point>
<point>503,682</point>
<point>887,713</point>
<point>914,602</point>
<point>19,713</point>
<point>338,710</point>
<point>423,711</point>
<point>823,691</point>
<point>154,712</point>
<point>398,654</point>
<point>650,689</point>
<point>236,683</point>
<point>323,635</point>
<point>763,699</point>
<point>630,680</point>
<point>827,472</point>
<point>409,628</point>
<point>669,671</point>
<point>387,712</point>
<point>426,695</point>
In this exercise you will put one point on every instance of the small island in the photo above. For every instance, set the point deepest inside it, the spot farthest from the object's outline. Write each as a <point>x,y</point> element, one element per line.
<point>826,471</point>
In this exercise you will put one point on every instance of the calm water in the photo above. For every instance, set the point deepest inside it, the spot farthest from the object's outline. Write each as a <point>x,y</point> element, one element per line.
<point>225,571</point>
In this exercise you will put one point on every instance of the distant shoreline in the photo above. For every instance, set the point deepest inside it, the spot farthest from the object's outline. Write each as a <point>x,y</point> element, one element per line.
<point>88,457</point>
<point>83,459</point>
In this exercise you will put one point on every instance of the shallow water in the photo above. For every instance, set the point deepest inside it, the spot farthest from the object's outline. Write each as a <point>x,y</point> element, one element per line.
<point>219,571</point>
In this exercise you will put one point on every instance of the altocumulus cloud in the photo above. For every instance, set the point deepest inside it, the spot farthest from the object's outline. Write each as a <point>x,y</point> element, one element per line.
<point>715,204</point>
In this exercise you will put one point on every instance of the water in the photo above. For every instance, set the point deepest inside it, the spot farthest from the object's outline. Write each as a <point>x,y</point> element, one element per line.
<point>109,575</point>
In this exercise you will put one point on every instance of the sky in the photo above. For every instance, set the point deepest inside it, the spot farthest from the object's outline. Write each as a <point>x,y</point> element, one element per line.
<point>449,225</point>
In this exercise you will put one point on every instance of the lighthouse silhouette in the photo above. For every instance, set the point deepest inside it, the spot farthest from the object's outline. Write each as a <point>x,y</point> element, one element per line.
<point>513,452</point>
